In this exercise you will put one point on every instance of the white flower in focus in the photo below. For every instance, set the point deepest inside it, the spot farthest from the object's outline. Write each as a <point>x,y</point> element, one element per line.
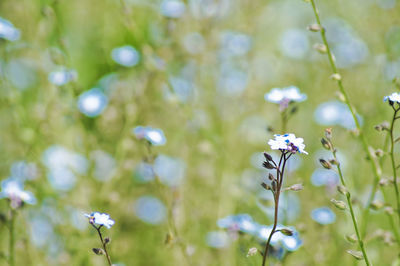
<point>291,94</point>
<point>102,219</point>
<point>287,142</point>
<point>14,190</point>
<point>394,97</point>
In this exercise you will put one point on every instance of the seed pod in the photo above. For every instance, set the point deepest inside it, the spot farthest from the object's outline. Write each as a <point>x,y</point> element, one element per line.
<point>339,204</point>
<point>325,164</point>
<point>286,232</point>
<point>98,251</point>
<point>326,144</point>
<point>356,254</point>
<point>268,165</point>
<point>343,190</point>
<point>267,156</point>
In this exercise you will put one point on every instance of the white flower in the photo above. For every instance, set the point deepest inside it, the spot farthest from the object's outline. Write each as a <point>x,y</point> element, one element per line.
<point>291,93</point>
<point>394,97</point>
<point>287,142</point>
<point>154,135</point>
<point>14,190</point>
<point>102,219</point>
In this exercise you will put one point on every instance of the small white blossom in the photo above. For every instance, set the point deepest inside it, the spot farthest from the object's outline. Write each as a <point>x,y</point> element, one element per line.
<point>14,190</point>
<point>102,219</point>
<point>154,135</point>
<point>287,142</point>
<point>394,97</point>
<point>291,94</point>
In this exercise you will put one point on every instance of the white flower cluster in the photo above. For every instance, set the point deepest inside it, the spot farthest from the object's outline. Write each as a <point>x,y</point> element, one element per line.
<point>394,97</point>
<point>102,219</point>
<point>287,142</point>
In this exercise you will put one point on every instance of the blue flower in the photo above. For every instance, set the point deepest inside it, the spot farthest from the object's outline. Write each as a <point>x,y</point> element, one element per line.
<point>102,219</point>
<point>394,97</point>
<point>150,210</point>
<point>170,171</point>
<point>92,102</point>
<point>172,8</point>
<point>290,243</point>
<point>291,94</point>
<point>8,31</point>
<point>240,222</point>
<point>217,239</point>
<point>323,215</point>
<point>62,76</point>
<point>126,56</point>
<point>153,135</point>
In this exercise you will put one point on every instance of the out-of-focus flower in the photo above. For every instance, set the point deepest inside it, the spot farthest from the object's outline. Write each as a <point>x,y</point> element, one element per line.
<point>102,219</point>
<point>144,172</point>
<point>170,170</point>
<point>335,113</point>
<point>217,239</point>
<point>150,210</point>
<point>287,142</point>
<point>153,135</point>
<point>290,243</point>
<point>8,31</point>
<point>172,8</point>
<point>126,56</point>
<point>92,102</point>
<point>194,43</point>
<point>392,98</point>
<point>291,94</point>
<point>323,215</point>
<point>294,44</point>
<point>14,190</point>
<point>23,170</point>
<point>239,222</point>
<point>104,165</point>
<point>62,76</point>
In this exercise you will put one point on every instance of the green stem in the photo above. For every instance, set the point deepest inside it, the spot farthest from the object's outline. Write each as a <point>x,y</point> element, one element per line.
<point>11,254</point>
<point>353,113</point>
<point>396,189</point>
<point>353,218</point>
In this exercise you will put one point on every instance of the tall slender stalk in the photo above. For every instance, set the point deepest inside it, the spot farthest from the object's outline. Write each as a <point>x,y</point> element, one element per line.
<point>11,255</point>
<point>349,203</point>
<point>276,190</point>
<point>396,189</point>
<point>364,143</point>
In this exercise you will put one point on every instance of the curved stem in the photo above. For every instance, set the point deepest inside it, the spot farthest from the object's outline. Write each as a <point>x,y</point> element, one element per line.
<point>353,113</point>
<point>396,189</point>
<point>104,245</point>
<point>279,178</point>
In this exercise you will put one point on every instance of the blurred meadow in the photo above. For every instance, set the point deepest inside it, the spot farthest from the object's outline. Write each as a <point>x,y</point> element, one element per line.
<point>156,112</point>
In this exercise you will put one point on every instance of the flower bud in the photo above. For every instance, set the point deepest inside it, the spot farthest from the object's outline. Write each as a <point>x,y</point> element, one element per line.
<point>356,254</point>
<point>98,251</point>
<point>286,232</point>
<point>107,240</point>
<point>339,204</point>
<point>296,187</point>
<point>264,185</point>
<point>274,185</point>
<point>389,210</point>
<point>376,205</point>
<point>334,162</point>
<point>384,182</point>
<point>268,157</point>
<point>314,27</point>
<point>351,238</point>
<point>343,190</point>
<point>379,153</point>
<point>340,96</point>
<point>326,144</point>
<point>320,48</point>
<point>271,177</point>
<point>325,164</point>
<point>328,133</point>
<point>268,165</point>
<point>336,76</point>
<point>252,251</point>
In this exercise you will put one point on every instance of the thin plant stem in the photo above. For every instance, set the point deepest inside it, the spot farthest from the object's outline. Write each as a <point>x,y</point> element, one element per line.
<point>11,255</point>
<point>104,244</point>
<point>396,189</point>
<point>277,192</point>
<point>353,218</point>
<point>353,113</point>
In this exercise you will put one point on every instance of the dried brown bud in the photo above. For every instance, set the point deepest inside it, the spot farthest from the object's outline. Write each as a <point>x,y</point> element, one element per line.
<point>326,144</point>
<point>98,251</point>
<point>271,177</point>
<point>268,165</point>
<point>266,186</point>
<point>325,164</point>
<point>268,157</point>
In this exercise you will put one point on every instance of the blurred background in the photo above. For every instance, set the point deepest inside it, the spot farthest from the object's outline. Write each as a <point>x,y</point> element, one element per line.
<point>79,78</point>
